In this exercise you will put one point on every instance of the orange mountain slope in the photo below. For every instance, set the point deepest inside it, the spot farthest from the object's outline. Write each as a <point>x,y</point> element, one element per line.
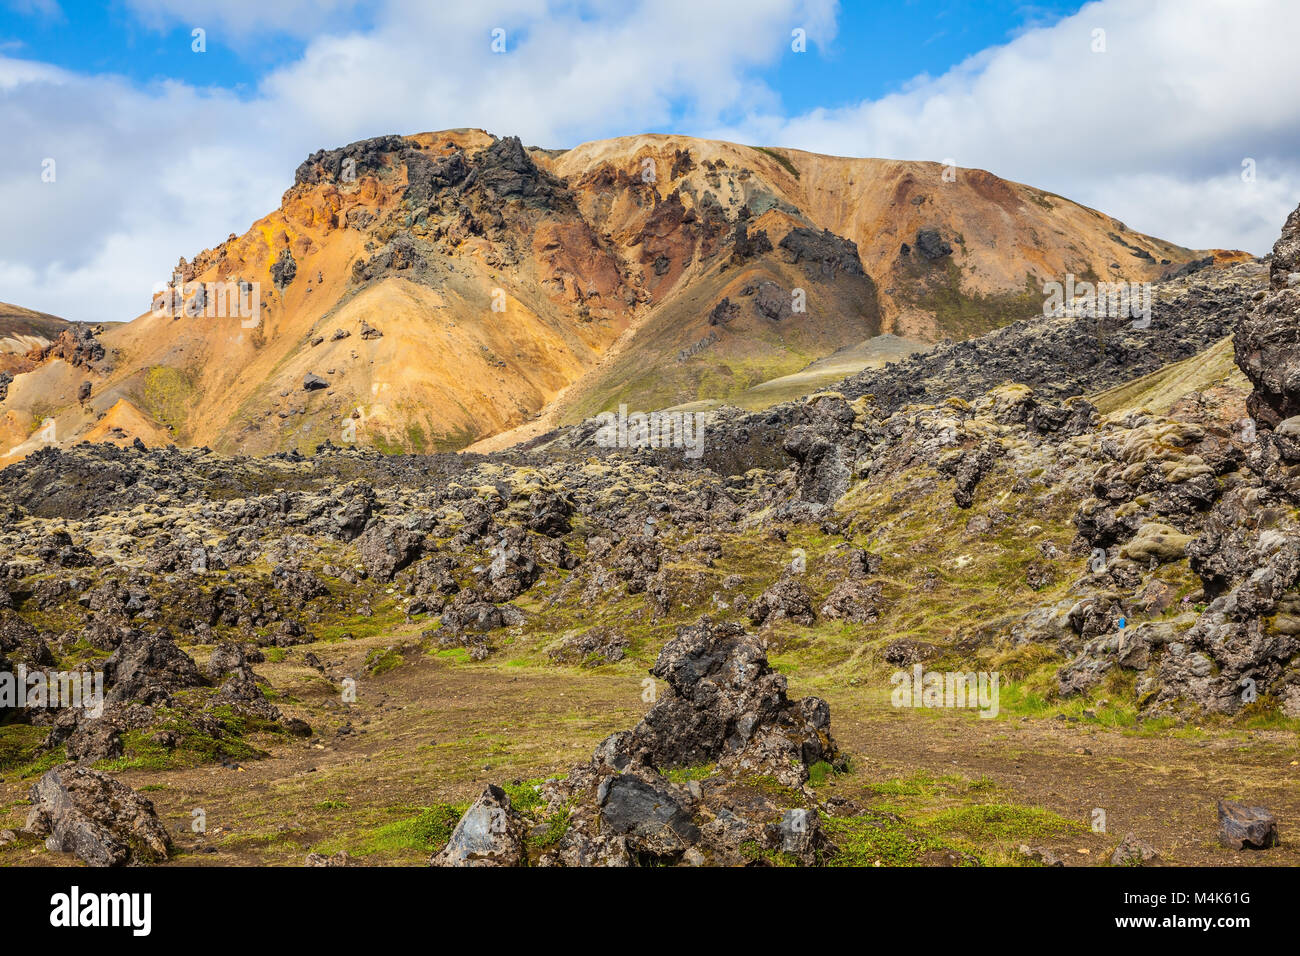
<point>427,292</point>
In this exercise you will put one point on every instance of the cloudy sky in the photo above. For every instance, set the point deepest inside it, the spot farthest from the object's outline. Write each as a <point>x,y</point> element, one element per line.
<point>1180,118</point>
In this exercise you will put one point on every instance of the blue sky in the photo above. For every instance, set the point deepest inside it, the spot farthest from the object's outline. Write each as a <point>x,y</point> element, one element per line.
<point>876,49</point>
<point>880,47</point>
<point>161,152</point>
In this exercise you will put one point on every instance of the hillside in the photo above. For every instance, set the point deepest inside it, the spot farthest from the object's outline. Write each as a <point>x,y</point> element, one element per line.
<point>423,293</point>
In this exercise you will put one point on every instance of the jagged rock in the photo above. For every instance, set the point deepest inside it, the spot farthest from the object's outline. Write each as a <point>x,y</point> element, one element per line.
<point>329,165</point>
<point>800,834</point>
<point>355,514</point>
<point>970,471</point>
<point>1246,828</point>
<point>745,247</point>
<point>724,703</point>
<point>932,245</point>
<point>240,690</point>
<point>820,445</point>
<point>490,833</point>
<point>822,254</point>
<point>386,548</point>
<point>148,669</point>
<point>513,568</point>
<point>854,602</point>
<point>550,514</point>
<point>771,301</point>
<point>1133,852</point>
<point>643,809</point>
<point>635,561</point>
<point>91,815</point>
<point>1040,855</point>
<point>1267,341</point>
<point>786,599</point>
<point>904,652</point>
<point>469,617</point>
<point>284,269</point>
<point>595,646</point>
<point>226,657</point>
<point>340,858</point>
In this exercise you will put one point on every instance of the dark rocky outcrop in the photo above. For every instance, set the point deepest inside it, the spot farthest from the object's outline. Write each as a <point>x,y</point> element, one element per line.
<point>100,821</point>
<point>367,156</point>
<point>823,255</point>
<point>1267,342</point>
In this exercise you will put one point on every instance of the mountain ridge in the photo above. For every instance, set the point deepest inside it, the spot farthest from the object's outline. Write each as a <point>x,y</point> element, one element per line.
<point>443,288</point>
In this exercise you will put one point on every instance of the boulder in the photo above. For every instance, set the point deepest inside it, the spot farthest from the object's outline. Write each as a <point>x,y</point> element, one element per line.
<point>1246,828</point>
<point>490,833</point>
<point>100,821</point>
<point>149,668</point>
<point>1133,852</point>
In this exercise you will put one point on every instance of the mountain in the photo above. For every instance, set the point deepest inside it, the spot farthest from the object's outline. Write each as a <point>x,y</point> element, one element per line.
<point>21,329</point>
<point>21,332</point>
<point>427,292</point>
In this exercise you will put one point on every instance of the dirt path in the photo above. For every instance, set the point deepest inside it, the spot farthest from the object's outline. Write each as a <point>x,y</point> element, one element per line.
<point>435,731</point>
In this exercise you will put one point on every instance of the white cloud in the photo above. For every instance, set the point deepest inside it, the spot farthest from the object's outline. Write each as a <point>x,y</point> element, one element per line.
<point>1153,131</point>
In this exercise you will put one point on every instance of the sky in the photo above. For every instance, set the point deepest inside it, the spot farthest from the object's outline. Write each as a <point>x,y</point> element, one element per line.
<point>128,139</point>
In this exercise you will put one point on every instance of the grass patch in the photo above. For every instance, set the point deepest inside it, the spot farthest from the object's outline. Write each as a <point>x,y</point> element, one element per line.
<point>687,774</point>
<point>882,839</point>
<point>426,832</point>
<point>18,743</point>
<point>382,660</point>
<point>785,163</point>
<point>1002,822</point>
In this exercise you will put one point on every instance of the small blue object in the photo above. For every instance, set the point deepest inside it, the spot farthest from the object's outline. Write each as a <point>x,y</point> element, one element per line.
<point>1122,622</point>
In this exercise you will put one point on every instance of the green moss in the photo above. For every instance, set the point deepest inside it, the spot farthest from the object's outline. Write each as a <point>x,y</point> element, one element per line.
<point>785,163</point>
<point>1000,822</point>
<point>819,773</point>
<point>168,396</point>
<point>426,832</point>
<point>752,851</point>
<point>18,756</point>
<point>386,616</point>
<point>382,660</point>
<point>936,287</point>
<point>687,774</point>
<point>554,826</point>
<point>525,796</point>
<point>195,746</point>
<point>882,839</point>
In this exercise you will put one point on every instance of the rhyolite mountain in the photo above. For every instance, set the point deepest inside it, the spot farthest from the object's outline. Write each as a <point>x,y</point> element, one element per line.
<point>428,292</point>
